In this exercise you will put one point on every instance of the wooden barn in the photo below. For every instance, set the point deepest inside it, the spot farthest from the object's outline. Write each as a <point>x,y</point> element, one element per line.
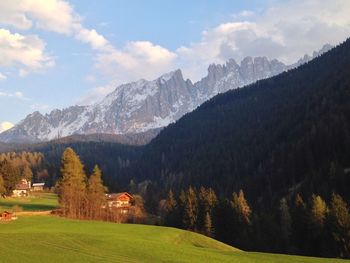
<point>38,187</point>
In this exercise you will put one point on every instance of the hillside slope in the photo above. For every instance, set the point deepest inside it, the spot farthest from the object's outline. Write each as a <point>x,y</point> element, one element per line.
<point>279,134</point>
<point>52,239</point>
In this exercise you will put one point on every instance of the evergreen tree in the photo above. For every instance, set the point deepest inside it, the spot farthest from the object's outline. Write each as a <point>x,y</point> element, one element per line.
<point>132,187</point>
<point>137,214</point>
<point>241,207</point>
<point>340,226</point>
<point>95,194</point>
<point>181,205</point>
<point>202,208</point>
<point>27,173</point>
<point>171,207</point>
<point>207,202</point>
<point>72,186</point>
<point>285,223</point>
<point>190,209</point>
<point>241,220</point>
<point>317,219</point>
<point>318,211</point>
<point>299,225</point>
<point>2,186</point>
<point>11,176</point>
<point>208,227</point>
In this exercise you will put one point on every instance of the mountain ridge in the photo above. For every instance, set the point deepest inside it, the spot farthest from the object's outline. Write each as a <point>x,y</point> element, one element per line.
<point>143,105</point>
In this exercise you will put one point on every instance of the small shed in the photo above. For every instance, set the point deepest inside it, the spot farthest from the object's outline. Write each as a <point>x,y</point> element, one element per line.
<point>5,216</point>
<point>38,187</point>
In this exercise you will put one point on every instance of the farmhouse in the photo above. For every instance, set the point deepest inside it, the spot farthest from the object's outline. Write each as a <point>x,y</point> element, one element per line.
<point>38,187</point>
<point>119,200</point>
<point>5,216</point>
<point>22,189</point>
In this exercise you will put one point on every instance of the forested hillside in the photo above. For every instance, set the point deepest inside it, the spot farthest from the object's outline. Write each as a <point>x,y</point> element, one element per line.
<point>286,134</point>
<point>285,141</point>
<point>283,135</point>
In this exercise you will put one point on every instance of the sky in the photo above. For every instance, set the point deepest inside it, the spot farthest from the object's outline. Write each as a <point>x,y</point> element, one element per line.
<point>58,53</point>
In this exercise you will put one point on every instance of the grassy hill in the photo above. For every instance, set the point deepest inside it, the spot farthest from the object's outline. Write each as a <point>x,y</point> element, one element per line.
<point>35,202</point>
<point>53,239</point>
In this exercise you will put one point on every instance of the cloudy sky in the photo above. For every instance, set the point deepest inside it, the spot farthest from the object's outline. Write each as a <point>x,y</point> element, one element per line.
<point>55,53</point>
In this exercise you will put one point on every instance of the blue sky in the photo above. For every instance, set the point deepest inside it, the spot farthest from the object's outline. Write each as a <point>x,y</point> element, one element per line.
<point>56,53</point>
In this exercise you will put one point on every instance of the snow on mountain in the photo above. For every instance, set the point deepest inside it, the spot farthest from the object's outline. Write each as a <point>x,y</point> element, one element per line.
<point>144,105</point>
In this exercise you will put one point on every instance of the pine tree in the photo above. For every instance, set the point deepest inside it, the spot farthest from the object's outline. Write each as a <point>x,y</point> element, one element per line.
<point>299,224</point>
<point>171,207</point>
<point>27,173</point>
<point>95,194</point>
<point>212,200</point>
<point>241,225</point>
<point>2,186</point>
<point>317,217</point>
<point>340,226</point>
<point>318,211</point>
<point>10,174</point>
<point>190,209</point>
<point>208,227</point>
<point>207,202</point>
<point>241,207</point>
<point>72,186</point>
<point>202,208</point>
<point>285,222</point>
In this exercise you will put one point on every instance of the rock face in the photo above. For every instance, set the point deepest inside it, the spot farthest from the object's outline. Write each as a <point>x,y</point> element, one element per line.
<point>144,105</point>
<point>222,78</point>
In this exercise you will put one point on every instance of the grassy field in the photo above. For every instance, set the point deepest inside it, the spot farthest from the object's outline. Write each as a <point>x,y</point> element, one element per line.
<point>53,239</point>
<point>35,202</point>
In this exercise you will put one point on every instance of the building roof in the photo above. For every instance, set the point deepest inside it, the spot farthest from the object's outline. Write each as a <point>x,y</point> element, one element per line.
<point>22,187</point>
<point>6,212</point>
<point>38,184</point>
<point>114,196</point>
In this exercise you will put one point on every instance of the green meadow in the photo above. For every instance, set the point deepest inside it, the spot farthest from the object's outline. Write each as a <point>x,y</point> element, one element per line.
<point>34,202</point>
<point>54,239</point>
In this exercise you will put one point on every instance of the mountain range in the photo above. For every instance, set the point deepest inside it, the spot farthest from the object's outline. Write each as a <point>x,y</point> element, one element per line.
<point>140,106</point>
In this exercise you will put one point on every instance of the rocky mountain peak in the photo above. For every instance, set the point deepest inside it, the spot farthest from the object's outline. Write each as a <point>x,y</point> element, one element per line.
<point>144,105</point>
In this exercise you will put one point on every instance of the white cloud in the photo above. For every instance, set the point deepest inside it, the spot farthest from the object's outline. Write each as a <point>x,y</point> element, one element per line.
<point>5,126</point>
<point>90,36</point>
<point>39,106</point>
<point>139,59</point>
<point>285,31</point>
<point>24,51</point>
<point>90,78</point>
<point>135,60</point>
<point>17,94</point>
<point>52,15</point>
<point>96,94</point>
<point>2,76</point>
<point>11,13</point>
<point>243,14</point>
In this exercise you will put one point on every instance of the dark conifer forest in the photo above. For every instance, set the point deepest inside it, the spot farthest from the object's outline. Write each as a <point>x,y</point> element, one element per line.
<point>285,141</point>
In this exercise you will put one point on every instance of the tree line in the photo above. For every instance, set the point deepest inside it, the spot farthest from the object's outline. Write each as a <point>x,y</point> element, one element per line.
<point>83,197</point>
<point>17,166</point>
<point>313,228</point>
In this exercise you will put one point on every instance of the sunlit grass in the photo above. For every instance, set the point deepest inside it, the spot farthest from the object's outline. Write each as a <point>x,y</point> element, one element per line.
<point>54,239</point>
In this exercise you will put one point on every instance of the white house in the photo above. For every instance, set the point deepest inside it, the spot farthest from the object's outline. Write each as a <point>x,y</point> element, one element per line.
<point>22,189</point>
